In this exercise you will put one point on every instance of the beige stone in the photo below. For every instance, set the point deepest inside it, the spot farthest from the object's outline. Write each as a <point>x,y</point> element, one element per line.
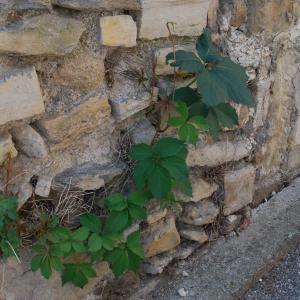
<point>269,15</point>
<point>98,4</point>
<point>25,191</point>
<point>201,213</point>
<point>193,233</point>
<point>7,148</point>
<point>83,70</point>
<point>239,189</point>
<point>43,186</point>
<point>154,212</point>
<point>294,158</point>
<point>20,95</point>
<point>84,118</point>
<point>160,237</point>
<point>201,189</point>
<point>29,142</point>
<point>212,15</point>
<point>41,35</point>
<point>34,286</point>
<point>231,223</point>
<point>239,13</point>
<point>118,30</point>
<point>218,153</point>
<point>189,17</point>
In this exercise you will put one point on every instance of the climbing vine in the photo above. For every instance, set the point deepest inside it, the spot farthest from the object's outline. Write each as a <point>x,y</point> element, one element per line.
<point>158,169</point>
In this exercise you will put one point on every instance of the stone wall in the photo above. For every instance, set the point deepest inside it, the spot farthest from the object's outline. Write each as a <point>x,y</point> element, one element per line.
<point>78,83</point>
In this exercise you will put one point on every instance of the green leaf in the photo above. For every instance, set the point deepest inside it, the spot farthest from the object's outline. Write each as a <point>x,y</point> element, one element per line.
<point>134,261</point>
<point>107,243</point>
<point>139,198</point>
<point>187,95</point>
<point>56,263</point>
<point>182,110</point>
<point>116,202</point>
<point>80,234</point>
<point>65,246</point>
<point>168,146</point>
<point>119,260</point>
<point>199,121</point>
<point>183,132</point>
<point>134,244</point>
<point>95,243</point>
<point>141,172</point>
<point>213,124</point>
<point>87,270</point>
<point>140,152</point>
<point>91,221</point>
<point>68,273</point>
<point>78,247</point>
<point>36,262</point>
<point>137,212</point>
<point>206,49</point>
<point>226,115</point>
<point>117,221</point>
<point>80,280</point>
<point>176,121</point>
<point>185,61</point>
<point>159,182</point>
<point>188,133</point>
<point>45,267</point>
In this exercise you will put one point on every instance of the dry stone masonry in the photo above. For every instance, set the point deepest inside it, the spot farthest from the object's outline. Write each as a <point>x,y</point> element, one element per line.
<point>80,81</point>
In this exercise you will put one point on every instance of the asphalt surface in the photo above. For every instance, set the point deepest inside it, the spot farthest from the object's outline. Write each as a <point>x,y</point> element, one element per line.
<point>282,283</point>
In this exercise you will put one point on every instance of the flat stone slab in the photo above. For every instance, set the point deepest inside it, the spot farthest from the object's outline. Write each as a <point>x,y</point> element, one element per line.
<point>228,268</point>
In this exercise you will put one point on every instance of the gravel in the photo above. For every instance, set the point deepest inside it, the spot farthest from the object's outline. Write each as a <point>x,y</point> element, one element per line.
<point>281,283</point>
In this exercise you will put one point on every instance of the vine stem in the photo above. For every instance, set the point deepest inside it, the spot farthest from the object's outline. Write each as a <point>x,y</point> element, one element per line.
<point>13,250</point>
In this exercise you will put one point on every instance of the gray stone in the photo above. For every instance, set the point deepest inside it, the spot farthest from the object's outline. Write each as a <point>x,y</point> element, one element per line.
<point>43,186</point>
<point>201,213</point>
<point>7,148</point>
<point>231,266</point>
<point>155,265</point>
<point>189,17</point>
<point>98,4</point>
<point>231,223</point>
<point>90,176</point>
<point>19,89</point>
<point>24,193</point>
<point>239,189</point>
<point>28,141</point>
<point>41,35</point>
<point>31,4</point>
<point>193,233</point>
<point>142,132</point>
<point>218,153</point>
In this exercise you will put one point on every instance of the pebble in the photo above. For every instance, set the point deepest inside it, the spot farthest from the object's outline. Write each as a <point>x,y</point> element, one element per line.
<point>185,274</point>
<point>182,292</point>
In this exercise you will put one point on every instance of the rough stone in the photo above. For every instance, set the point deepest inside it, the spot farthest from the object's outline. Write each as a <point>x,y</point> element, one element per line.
<point>189,16</point>
<point>212,15</point>
<point>20,89</point>
<point>154,212</point>
<point>239,13</point>
<point>83,70</point>
<point>231,223</point>
<point>117,31</point>
<point>84,118</point>
<point>218,153</point>
<point>34,286</point>
<point>7,148</point>
<point>31,4</point>
<point>24,193</point>
<point>160,237</point>
<point>29,142</point>
<point>142,132</point>
<point>155,265</point>
<point>43,186</point>
<point>269,15</point>
<point>239,189</point>
<point>201,213</point>
<point>90,176</point>
<point>294,158</point>
<point>193,233</point>
<point>41,35</point>
<point>98,4</point>
<point>201,189</point>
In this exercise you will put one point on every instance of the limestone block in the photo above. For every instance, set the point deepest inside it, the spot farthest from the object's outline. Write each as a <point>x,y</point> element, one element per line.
<point>41,35</point>
<point>118,30</point>
<point>25,191</point>
<point>193,233</point>
<point>89,176</point>
<point>218,153</point>
<point>31,285</point>
<point>7,148</point>
<point>201,189</point>
<point>83,70</point>
<point>189,16</point>
<point>201,213</point>
<point>239,189</point>
<point>294,158</point>
<point>84,118</point>
<point>20,95</point>
<point>154,212</point>
<point>43,186</point>
<point>239,13</point>
<point>269,15</point>
<point>29,142</point>
<point>142,132</point>
<point>98,4</point>
<point>160,237</point>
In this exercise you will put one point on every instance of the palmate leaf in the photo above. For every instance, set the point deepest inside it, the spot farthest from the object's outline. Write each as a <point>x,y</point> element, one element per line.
<point>117,221</point>
<point>167,147</point>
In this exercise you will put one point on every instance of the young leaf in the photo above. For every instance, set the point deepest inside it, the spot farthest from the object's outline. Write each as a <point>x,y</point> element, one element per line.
<point>182,110</point>
<point>199,121</point>
<point>80,234</point>
<point>45,267</point>
<point>36,262</point>
<point>137,212</point>
<point>134,244</point>
<point>91,221</point>
<point>95,243</point>
<point>176,121</point>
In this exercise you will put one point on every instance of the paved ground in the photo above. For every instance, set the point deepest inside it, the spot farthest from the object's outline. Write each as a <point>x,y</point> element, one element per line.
<point>229,267</point>
<point>281,283</point>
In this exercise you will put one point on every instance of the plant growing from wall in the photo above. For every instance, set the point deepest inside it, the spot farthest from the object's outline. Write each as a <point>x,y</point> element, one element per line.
<point>159,169</point>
